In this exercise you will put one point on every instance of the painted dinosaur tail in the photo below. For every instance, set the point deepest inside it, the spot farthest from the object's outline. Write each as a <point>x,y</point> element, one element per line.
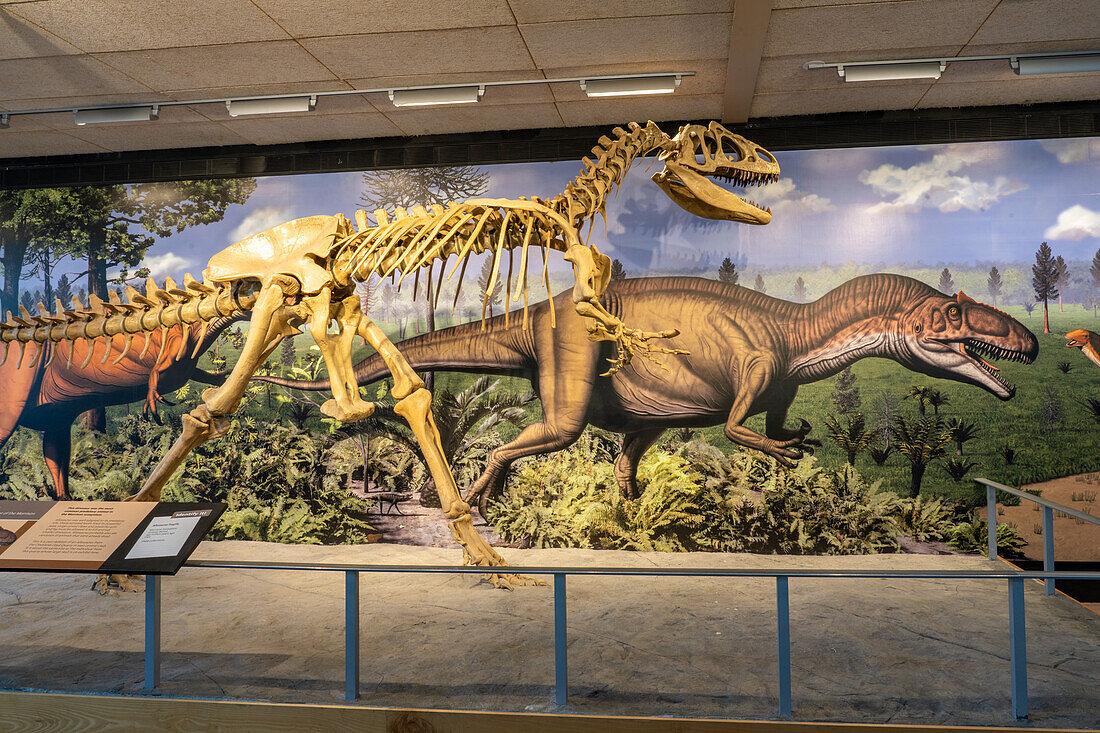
<point>467,348</point>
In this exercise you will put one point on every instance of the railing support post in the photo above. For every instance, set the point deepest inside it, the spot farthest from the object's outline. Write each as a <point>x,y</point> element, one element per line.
<point>152,632</point>
<point>783,617</point>
<point>351,635</point>
<point>561,671</point>
<point>1017,633</point>
<point>1048,548</point>
<point>991,521</point>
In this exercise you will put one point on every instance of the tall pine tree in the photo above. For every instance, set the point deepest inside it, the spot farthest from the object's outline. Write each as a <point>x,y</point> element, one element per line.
<point>1044,279</point>
<point>1094,271</point>
<point>1063,278</point>
<point>727,272</point>
<point>758,286</point>
<point>995,284</point>
<point>947,284</point>
<point>800,290</point>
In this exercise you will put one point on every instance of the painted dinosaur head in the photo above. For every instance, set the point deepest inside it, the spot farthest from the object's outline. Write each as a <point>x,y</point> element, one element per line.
<point>699,155</point>
<point>1087,341</point>
<point>955,337</point>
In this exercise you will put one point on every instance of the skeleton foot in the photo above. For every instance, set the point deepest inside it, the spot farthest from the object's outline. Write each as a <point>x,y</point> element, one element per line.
<point>110,585</point>
<point>476,551</point>
<point>632,341</point>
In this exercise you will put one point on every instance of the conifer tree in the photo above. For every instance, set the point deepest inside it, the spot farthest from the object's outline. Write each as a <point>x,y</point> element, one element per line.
<point>1094,271</point>
<point>727,272</point>
<point>759,284</point>
<point>995,284</point>
<point>1063,278</point>
<point>618,272</point>
<point>1044,278</point>
<point>947,285</point>
<point>800,290</point>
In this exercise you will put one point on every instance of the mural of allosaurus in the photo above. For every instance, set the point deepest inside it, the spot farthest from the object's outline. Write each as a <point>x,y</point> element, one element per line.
<point>304,272</point>
<point>48,394</point>
<point>748,354</point>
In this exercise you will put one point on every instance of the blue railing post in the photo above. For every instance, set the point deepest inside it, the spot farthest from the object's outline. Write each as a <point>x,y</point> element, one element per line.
<point>152,632</point>
<point>351,635</point>
<point>561,672</point>
<point>1048,548</point>
<point>991,521</point>
<point>783,617</point>
<point>1017,634</point>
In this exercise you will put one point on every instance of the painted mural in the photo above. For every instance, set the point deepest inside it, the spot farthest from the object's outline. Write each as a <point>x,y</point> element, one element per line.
<point>896,330</point>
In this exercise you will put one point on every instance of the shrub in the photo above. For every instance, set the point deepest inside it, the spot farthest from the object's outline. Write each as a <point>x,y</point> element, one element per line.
<point>973,538</point>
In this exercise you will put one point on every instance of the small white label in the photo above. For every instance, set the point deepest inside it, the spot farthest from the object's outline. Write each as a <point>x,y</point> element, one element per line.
<point>164,537</point>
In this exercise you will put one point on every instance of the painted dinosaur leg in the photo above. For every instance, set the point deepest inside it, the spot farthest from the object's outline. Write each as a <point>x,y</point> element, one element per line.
<point>414,404</point>
<point>346,404</point>
<point>774,424</point>
<point>626,465</point>
<point>567,366</point>
<point>755,379</point>
<point>57,444</point>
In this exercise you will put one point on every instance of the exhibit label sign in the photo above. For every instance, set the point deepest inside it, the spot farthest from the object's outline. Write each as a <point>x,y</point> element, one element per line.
<point>102,536</point>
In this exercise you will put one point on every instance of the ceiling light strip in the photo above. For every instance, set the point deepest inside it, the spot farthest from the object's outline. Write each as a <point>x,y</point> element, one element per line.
<point>235,102</point>
<point>1055,62</point>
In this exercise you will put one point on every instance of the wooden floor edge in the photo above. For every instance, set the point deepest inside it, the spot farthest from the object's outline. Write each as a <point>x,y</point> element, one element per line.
<point>46,711</point>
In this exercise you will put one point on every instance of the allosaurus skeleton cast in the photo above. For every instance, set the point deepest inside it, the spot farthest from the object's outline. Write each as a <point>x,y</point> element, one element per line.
<point>304,272</point>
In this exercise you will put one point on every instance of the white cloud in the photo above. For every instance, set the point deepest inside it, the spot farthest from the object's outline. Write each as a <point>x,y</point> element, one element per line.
<point>259,220</point>
<point>165,264</point>
<point>787,201</point>
<point>1074,150</point>
<point>936,183</point>
<point>1075,223</point>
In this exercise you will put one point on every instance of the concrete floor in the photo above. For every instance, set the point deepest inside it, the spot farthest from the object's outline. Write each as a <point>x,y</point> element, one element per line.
<point>863,650</point>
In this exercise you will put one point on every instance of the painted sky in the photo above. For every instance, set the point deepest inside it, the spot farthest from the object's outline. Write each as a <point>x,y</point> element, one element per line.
<point>960,203</point>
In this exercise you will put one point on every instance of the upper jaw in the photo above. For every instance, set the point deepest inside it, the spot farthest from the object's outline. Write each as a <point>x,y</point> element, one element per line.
<point>986,374</point>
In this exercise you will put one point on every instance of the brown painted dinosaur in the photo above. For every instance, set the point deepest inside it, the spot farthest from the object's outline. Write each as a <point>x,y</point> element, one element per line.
<point>48,393</point>
<point>747,354</point>
<point>1087,341</point>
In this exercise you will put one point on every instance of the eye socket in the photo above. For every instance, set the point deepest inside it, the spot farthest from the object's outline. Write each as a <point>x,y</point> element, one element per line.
<point>916,328</point>
<point>953,311</point>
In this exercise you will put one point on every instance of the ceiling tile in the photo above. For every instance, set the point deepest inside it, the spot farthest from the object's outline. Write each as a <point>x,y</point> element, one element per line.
<point>257,90</point>
<point>1040,20</point>
<point>850,98</point>
<point>124,25</point>
<point>24,144</point>
<point>1086,44</point>
<point>20,39</point>
<point>785,4</point>
<point>618,111</point>
<point>785,73</point>
<point>87,100</point>
<point>474,118</point>
<point>212,66</point>
<point>1018,90</point>
<point>540,11</point>
<point>156,135</point>
<point>710,76</point>
<point>339,17</point>
<point>265,130</point>
<point>883,28</point>
<point>61,76</point>
<point>498,48</point>
<point>620,41</point>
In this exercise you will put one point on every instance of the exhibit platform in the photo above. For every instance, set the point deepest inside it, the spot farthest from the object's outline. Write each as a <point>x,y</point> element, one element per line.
<point>885,651</point>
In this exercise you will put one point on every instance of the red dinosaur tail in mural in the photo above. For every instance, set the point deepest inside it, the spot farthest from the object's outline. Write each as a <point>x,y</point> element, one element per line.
<point>49,393</point>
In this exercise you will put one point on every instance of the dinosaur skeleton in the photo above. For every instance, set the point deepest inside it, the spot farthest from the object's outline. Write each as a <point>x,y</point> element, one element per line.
<point>303,273</point>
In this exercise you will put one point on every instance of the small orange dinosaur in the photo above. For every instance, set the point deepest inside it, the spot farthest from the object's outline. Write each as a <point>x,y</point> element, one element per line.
<point>1087,341</point>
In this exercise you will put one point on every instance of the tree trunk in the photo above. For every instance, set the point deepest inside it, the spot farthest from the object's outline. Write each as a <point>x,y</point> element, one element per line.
<point>14,252</point>
<point>1046,317</point>
<point>916,478</point>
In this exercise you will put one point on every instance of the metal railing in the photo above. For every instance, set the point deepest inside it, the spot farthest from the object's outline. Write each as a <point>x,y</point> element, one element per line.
<point>1049,507</point>
<point>1017,626</point>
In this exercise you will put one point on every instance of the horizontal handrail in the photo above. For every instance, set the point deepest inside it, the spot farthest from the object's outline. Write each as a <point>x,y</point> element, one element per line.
<point>1040,500</point>
<point>682,572</point>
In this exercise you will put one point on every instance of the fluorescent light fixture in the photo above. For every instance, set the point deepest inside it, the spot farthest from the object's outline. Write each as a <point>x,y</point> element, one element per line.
<point>632,86</point>
<point>1060,64</point>
<point>885,72</point>
<point>272,106</point>
<point>116,114</point>
<point>5,121</point>
<point>437,95</point>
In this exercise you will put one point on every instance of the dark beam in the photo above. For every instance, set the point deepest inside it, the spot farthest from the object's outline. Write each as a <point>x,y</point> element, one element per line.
<point>750,26</point>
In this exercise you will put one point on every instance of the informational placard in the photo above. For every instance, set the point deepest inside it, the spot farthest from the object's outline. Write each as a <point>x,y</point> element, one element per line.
<point>102,536</point>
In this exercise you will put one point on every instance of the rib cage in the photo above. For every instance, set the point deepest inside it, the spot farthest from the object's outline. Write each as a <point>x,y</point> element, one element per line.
<point>413,240</point>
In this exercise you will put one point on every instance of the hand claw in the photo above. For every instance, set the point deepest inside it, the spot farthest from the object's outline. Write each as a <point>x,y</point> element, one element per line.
<point>631,341</point>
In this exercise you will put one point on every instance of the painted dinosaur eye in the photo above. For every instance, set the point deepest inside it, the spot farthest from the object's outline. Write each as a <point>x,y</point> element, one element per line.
<point>953,311</point>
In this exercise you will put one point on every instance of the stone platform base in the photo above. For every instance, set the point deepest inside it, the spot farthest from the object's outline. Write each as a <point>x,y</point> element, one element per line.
<point>873,651</point>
